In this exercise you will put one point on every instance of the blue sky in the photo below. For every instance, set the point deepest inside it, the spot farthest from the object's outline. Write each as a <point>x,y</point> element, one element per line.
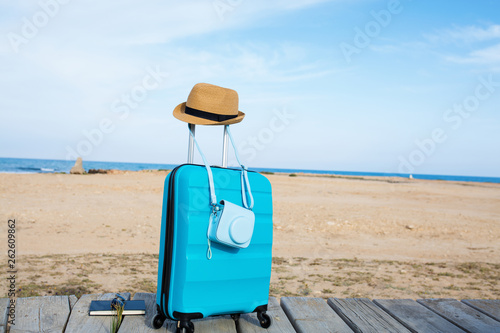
<point>386,86</point>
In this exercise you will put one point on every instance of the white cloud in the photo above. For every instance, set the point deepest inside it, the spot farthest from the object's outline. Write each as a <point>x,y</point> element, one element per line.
<point>67,75</point>
<point>287,4</point>
<point>487,56</point>
<point>112,24</point>
<point>105,46</point>
<point>467,34</point>
<point>261,64</point>
<point>484,42</point>
<point>101,41</point>
<point>456,35</point>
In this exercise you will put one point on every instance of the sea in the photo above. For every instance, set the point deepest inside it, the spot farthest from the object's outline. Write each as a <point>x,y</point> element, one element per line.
<point>27,165</point>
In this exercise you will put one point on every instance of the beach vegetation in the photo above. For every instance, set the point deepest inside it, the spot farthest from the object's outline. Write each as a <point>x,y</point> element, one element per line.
<point>304,290</point>
<point>278,260</point>
<point>299,259</point>
<point>452,287</point>
<point>42,289</point>
<point>279,269</point>
<point>317,261</point>
<point>279,290</point>
<point>117,317</point>
<point>145,285</point>
<point>291,276</point>
<point>346,177</point>
<point>96,171</point>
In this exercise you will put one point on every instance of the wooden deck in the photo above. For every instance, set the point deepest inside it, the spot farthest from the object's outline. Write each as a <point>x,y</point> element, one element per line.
<point>292,314</point>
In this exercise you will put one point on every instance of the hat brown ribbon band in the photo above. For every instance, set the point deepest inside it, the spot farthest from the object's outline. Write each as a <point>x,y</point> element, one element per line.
<point>208,115</point>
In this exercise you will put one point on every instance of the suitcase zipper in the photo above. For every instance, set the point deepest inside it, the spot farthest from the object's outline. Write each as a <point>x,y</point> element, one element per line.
<point>167,264</point>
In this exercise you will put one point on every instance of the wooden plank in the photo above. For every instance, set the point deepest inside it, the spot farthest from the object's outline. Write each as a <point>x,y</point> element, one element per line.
<point>41,314</point>
<point>4,312</point>
<point>222,324</point>
<point>312,315</point>
<point>72,301</point>
<point>142,324</point>
<point>80,321</point>
<point>462,315</point>
<point>362,315</point>
<point>416,317</point>
<point>249,323</point>
<point>491,307</point>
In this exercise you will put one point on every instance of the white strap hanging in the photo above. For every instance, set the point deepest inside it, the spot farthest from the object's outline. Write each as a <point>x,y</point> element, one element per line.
<point>245,184</point>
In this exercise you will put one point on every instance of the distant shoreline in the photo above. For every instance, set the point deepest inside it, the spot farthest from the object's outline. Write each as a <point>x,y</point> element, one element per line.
<point>386,179</point>
<point>33,166</point>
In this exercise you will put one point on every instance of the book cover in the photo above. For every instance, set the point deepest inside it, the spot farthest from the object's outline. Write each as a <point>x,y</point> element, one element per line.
<point>104,308</point>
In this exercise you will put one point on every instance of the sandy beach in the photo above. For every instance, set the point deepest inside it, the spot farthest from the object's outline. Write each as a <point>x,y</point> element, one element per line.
<point>333,236</point>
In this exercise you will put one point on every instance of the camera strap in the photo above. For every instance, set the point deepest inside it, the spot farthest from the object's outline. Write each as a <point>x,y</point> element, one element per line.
<point>216,209</point>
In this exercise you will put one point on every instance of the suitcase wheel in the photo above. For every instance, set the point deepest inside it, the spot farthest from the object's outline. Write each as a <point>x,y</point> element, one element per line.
<point>158,321</point>
<point>185,327</point>
<point>264,319</point>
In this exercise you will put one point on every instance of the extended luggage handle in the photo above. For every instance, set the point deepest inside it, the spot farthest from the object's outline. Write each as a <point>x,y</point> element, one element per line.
<point>245,184</point>
<point>192,128</point>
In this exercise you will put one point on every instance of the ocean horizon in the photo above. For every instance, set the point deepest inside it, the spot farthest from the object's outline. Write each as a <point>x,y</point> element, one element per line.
<point>28,165</point>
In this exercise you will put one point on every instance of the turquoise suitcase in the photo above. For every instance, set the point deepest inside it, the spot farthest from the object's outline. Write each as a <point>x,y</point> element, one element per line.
<point>234,280</point>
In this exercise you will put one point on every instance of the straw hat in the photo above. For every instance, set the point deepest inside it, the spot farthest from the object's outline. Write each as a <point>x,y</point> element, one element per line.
<point>208,104</point>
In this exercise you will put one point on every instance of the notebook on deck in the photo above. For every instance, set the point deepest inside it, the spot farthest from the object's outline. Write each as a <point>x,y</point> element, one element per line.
<point>103,308</point>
